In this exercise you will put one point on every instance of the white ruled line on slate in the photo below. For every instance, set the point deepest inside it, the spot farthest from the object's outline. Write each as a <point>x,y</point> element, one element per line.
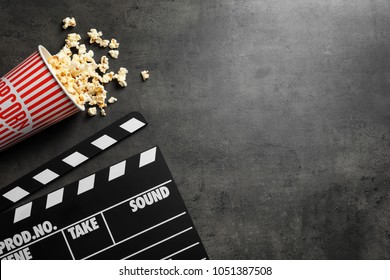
<point>157,243</point>
<point>135,235</point>
<point>182,250</point>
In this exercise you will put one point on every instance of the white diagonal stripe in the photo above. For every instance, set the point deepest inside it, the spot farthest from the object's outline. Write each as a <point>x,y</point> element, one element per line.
<point>22,212</point>
<point>75,159</point>
<point>34,81</point>
<point>46,176</point>
<point>117,170</point>
<point>86,184</point>
<point>104,142</point>
<point>16,194</point>
<point>147,157</point>
<point>132,125</point>
<point>30,73</point>
<point>42,101</point>
<point>54,198</point>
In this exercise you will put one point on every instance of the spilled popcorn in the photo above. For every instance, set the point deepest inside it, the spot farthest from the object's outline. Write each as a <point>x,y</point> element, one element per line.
<point>78,70</point>
<point>95,37</point>
<point>68,22</point>
<point>103,66</point>
<point>121,76</point>
<point>145,75</point>
<point>112,100</point>
<point>92,111</point>
<point>113,44</point>
<point>114,53</point>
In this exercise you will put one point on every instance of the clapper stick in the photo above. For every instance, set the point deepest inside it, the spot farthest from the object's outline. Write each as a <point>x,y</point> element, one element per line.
<point>65,162</point>
<point>130,210</point>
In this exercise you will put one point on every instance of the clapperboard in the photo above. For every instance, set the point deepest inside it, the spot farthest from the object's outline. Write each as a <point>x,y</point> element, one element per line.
<point>130,210</point>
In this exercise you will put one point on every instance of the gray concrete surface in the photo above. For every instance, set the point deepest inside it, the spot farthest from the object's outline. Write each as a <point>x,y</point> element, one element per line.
<point>272,115</point>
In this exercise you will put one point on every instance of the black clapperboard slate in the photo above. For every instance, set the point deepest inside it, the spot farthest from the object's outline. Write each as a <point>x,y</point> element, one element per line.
<point>130,210</point>
<point>72,158</point>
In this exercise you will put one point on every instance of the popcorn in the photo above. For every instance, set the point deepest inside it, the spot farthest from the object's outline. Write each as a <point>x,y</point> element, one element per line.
<point>92,111</point>
<point>102,43</point>
<point>103,66</point>
<point>73,40</point>
<point>107,77</point>
<point>92,102</point>
<point>145,75</point>
<point>68,22</point>
<point>82,49</point>
<point>79,73</point>
<point>89,56</point>
<point>114,54</point>
<point>94,35</point>
<point>112,100</point>
<point>113,44</point>
<point>121,76</point>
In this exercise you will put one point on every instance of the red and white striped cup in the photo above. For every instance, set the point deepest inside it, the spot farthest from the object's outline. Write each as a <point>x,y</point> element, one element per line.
<point>31,99</point>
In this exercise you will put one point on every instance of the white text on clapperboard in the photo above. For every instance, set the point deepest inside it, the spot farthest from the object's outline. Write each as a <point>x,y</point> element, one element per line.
<point>11,245</point>
<point>23,238</point>
<point>83,228</point>
<point>149,198</point>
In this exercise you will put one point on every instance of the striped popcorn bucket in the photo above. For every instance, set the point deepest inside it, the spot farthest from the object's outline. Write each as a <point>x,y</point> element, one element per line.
<point>31,99</point>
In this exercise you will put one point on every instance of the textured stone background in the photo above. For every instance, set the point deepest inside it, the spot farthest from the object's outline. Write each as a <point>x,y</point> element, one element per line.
<point>272,115</point>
